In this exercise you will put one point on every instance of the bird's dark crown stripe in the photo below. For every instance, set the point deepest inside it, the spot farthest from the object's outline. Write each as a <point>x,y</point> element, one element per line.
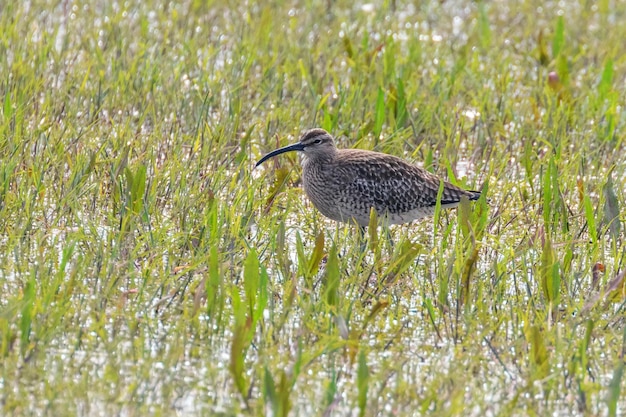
<point>313,134</point>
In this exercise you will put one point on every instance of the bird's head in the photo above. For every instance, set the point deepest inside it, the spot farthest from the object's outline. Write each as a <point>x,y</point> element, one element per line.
<point>317,144</point>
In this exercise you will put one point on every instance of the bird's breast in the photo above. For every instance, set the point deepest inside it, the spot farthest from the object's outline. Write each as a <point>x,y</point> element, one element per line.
<point>323,188</point>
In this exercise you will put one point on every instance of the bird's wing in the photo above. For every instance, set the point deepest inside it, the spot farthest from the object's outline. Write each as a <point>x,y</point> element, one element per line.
<point>389,183</point>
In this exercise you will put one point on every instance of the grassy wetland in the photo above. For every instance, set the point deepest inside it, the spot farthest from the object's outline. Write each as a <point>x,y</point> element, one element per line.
<point>147,269</point>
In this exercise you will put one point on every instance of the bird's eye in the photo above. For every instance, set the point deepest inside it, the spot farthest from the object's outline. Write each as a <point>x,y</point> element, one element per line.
<point>317,141</point>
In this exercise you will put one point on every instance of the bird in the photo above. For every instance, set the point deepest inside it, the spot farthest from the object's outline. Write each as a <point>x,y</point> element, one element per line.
<point>345,184</point>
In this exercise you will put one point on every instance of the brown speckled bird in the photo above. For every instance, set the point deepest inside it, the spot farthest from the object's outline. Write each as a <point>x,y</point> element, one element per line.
<point>344,184</point>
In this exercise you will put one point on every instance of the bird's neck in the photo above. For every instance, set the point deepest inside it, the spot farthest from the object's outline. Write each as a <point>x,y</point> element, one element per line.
<point>321,159</point>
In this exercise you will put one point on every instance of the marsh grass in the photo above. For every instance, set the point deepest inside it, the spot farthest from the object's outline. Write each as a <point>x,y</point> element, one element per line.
<point>147,269</point>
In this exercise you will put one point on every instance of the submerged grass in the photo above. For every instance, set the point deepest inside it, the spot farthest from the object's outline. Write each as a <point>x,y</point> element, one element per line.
<point>147,269</point>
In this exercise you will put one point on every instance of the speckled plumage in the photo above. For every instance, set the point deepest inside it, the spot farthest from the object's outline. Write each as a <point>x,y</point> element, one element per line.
<point>344,184</point>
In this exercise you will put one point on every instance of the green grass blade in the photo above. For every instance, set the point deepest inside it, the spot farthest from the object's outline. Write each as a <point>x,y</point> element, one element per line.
<point>558,41</point>
<point>379,113</point>
<point>331,279</point>
<point>316,256</point>
<point>362,383</point>
<point>251,280</point>
<point>606,80</point>
<point>615,385</point>
<point>26,321</point>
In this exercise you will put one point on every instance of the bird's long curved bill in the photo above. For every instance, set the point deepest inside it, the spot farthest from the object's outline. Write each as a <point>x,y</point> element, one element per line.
<point>290,148</point>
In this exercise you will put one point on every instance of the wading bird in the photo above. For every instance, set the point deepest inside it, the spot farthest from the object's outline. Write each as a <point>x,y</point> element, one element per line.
<point>345,184</point>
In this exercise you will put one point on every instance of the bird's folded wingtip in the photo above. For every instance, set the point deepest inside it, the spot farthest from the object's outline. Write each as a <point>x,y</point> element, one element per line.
<point>475,195</point>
